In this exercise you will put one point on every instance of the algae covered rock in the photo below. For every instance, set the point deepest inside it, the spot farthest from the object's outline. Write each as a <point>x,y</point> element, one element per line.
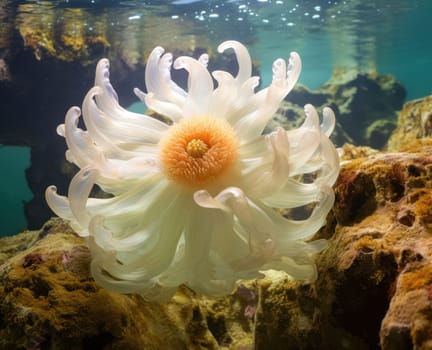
<point>373,288</point>
<point>374,284</point>
<point>366,106</point>
<point>414,123</point>
<point>48,300</point>
<point>375,279</point>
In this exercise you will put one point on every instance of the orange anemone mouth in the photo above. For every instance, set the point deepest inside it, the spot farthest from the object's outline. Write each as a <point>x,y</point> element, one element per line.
<point>199,151</point>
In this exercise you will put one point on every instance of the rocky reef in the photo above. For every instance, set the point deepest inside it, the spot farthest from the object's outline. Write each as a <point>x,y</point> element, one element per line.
<point>50,301</point>
<point>415,123</point>
<point>366,106</point>
<point>373,291</point>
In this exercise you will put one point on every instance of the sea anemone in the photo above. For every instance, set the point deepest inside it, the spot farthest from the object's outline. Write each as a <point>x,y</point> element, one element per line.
<point>197,200</point>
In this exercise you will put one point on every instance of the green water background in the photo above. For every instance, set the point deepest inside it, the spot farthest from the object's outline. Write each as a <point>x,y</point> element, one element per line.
<point>13,188</point>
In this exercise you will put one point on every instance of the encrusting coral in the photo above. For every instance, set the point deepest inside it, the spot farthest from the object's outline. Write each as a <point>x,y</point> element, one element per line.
<point>192,201</point>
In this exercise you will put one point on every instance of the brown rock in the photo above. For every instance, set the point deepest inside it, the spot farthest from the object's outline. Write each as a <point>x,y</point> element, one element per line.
<point>374,286</point>
<point>48,300</point>
<point>414,125</point>
<point>366,106</point>
<point>375,279</point>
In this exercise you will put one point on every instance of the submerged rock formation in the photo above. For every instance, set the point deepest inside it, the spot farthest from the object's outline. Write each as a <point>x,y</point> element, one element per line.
<point>373,289</point>
<point>414,123</point>
<point>50,301</point>
<point>378,260</point>
<point>366,106</point>
<point>374,284</point>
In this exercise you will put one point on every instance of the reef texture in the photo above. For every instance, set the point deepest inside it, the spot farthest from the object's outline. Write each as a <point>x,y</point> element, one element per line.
<point>374,285</point>
<point>48,300</point>
<point>414,123</point>
<point>374,288</point>
<point>366,106</point>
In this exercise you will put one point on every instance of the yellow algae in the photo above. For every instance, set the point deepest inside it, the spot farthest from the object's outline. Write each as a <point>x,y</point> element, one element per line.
<point>416,279</point>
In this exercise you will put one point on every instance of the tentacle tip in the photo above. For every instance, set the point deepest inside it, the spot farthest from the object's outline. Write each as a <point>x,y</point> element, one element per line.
<point>139,93</point>
<point>74,110</point>
<point>103,63</point>
<point>179,63</point>
<point>294,55</point>
<point>201,197</point>
<point>159,50</point>
<point>308,108</point>
<point>204,59</point>
<point>294,64</point>
<point>51,189</point>
<point>328,111</point>
<point>223,46</point>
<point>61,130</point>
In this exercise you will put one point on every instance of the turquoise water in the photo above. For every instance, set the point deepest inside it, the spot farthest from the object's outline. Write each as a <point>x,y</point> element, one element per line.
<point>385,36</point>
<point>13,189</point>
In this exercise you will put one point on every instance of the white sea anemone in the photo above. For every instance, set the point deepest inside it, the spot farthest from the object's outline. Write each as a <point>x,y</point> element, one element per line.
<point>195,201</point>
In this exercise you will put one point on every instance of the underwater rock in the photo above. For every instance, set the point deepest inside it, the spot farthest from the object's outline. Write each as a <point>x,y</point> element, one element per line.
<point>414,123</point>
<point>13,244</point>
<point>350,152</point>
<point>364,99</point>
<point>83,32</point>
<point>373,289</point>
<point>48,300</point>
<point>366,106</point>
<point>374,282</point>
